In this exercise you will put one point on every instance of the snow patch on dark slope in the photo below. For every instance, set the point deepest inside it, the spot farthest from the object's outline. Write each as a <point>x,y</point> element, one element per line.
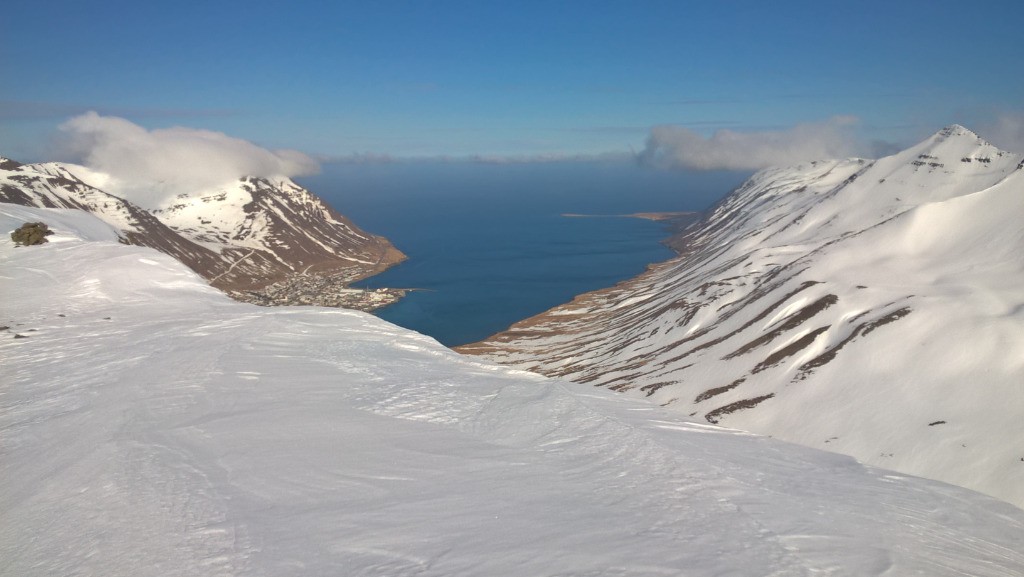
<point>241,236</point>
<point>842,304</point>
<point>152,426</point>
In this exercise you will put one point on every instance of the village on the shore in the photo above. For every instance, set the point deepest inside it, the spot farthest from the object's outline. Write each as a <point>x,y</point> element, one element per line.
<point>319,289</point>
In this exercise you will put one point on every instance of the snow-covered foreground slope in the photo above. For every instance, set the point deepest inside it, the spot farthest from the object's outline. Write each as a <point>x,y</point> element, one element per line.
<point>151,426</point>
<point>873,308</point>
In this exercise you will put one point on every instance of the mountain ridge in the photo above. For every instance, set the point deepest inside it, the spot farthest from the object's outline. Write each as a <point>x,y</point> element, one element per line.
<point>842,304</point>
<point>241,236</point>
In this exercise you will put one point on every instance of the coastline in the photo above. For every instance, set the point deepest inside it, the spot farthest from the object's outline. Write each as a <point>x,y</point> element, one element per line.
<point>578,307</point>
<point>539,325</point>
<point>655,216</point>
<point>516,267</point>
<point>674,222</point>
<point>330,287</point>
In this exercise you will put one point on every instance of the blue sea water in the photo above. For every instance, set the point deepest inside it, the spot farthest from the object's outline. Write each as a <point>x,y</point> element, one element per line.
<point>487,243</point>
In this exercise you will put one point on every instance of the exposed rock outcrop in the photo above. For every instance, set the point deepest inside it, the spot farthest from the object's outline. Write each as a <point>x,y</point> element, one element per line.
<point>31,233</point>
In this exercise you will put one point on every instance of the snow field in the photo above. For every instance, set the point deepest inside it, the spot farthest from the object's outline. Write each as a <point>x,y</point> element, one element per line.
<point>151,426</point>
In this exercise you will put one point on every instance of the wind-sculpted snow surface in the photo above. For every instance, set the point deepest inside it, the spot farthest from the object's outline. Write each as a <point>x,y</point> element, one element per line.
<point>151,426</point>
<point>872,308</point>
<point>240,236</point>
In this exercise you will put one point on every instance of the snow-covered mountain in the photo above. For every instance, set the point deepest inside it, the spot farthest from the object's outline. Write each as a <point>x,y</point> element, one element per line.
<point>152,426</point>
<point>241,236</point>
<point>872,308</point>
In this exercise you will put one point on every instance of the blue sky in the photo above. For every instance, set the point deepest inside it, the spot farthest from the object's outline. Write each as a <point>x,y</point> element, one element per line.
<point>521,79</point>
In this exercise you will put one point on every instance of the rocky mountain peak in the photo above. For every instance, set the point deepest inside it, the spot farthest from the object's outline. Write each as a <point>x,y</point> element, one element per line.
<point>956,140</point>
<point>240,237</point>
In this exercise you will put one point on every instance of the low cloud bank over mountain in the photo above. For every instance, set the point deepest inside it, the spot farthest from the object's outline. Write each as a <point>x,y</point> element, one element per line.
<point>1007,131</point>
<point>150,167</point>
<point>671,146</point>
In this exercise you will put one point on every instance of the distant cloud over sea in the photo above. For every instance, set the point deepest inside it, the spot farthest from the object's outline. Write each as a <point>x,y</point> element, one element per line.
<point>674,146</point>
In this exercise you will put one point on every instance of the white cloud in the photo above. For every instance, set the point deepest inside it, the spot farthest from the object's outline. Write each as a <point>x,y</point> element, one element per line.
<point>539,158</point>
<point>1006,132</point>
<point>151,166</point>
<point>676,146</point>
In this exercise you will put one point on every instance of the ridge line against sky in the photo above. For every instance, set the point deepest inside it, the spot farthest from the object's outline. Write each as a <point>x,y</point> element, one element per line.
<point>520,81</point>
